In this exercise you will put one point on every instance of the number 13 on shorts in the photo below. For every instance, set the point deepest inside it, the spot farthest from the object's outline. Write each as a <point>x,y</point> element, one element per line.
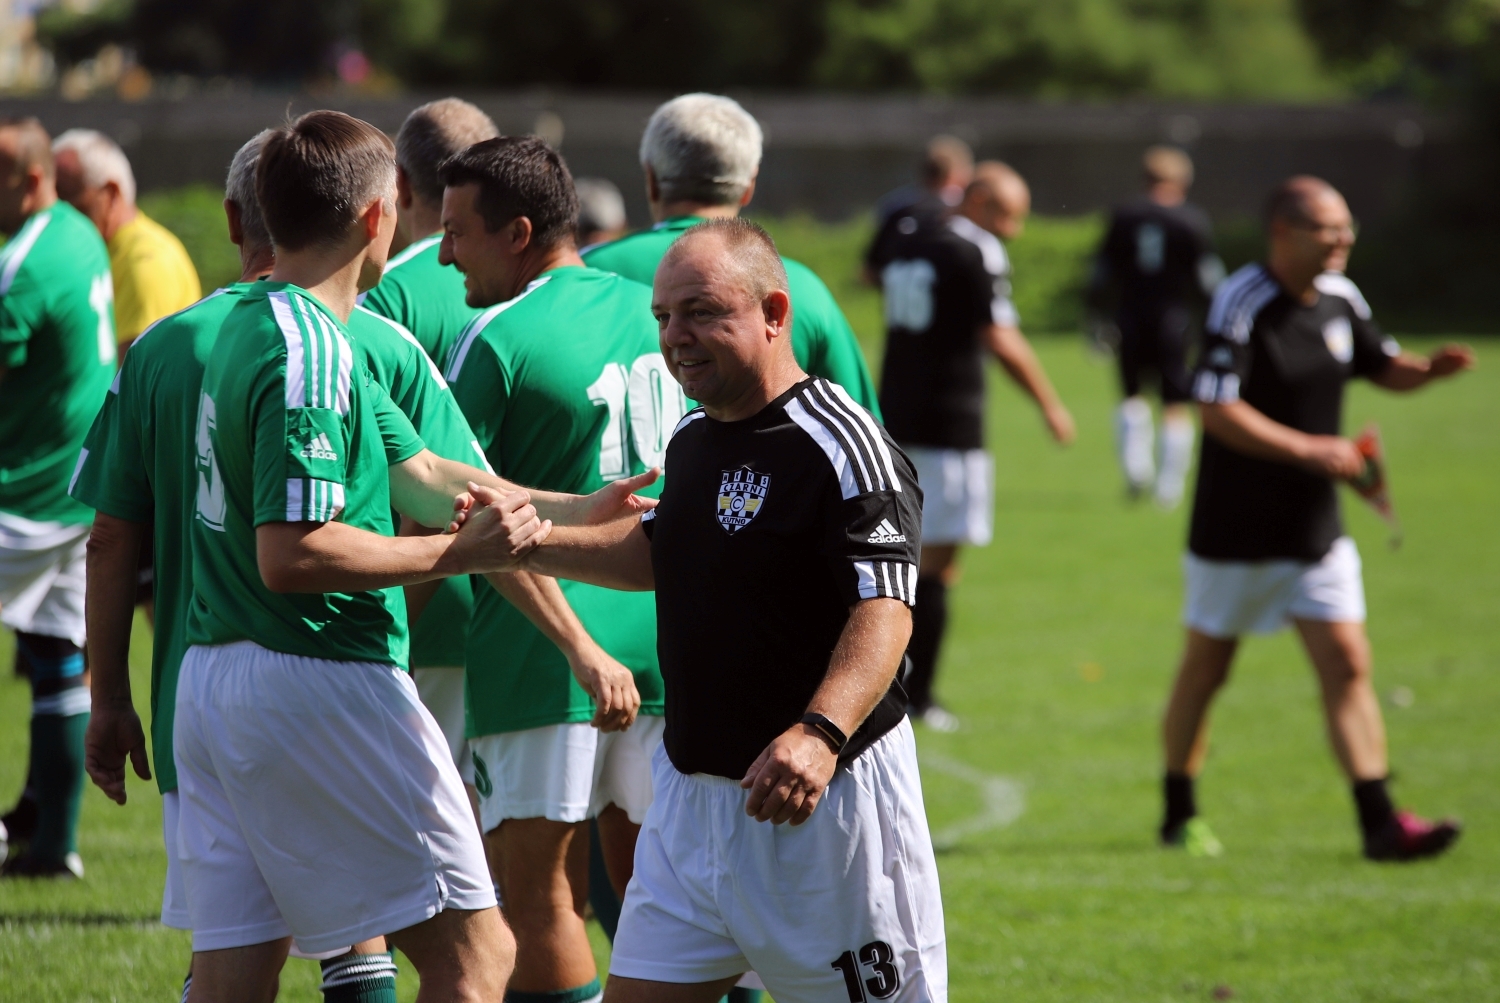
<point>878,959</point>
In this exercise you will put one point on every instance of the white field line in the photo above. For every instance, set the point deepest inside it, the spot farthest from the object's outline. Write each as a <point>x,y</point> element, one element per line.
<point>1004,800</point>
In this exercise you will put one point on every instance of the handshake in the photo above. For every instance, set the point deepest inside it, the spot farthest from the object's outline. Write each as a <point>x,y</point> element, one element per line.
<point>494,530</point>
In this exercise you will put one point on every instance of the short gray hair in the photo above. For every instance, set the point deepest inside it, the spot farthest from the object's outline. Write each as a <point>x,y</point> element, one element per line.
<point>101,158</point>
<point>702,148</point>
<point>239,188</point>
<point>747,245</point>
<point>600,205</point>
<point>431,135</point>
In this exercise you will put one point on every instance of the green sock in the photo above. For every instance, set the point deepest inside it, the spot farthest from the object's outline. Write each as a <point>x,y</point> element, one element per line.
<point>579,994</point>
<point>359,978</point>
<point>57,768</point>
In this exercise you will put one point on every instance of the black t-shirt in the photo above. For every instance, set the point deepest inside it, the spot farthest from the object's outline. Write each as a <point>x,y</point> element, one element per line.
<point>945,281</point>
<point>1289,361</point>
<point>898,219</point>
<point>769,530</point>
<point>1158,257</point>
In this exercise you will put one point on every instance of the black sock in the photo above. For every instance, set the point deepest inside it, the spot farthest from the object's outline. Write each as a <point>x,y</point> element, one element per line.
<point>929,620</point>
<point>1181,805</point>
<point>1374,805</point>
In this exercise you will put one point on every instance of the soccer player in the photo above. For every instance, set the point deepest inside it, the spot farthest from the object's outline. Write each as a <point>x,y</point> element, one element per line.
<point>1267,546</point>
<point>427,298</point>
<point>564,385</point>
<point>317,797</point>
<point>783,555</point>
<point>947,304</point>
<point>601,212</point>
<point>417,291</point>
<point>701,154</point>
<point>57,356</point>
<point>153,274</point>
<point>1154,273</point>
<point>947,169</point>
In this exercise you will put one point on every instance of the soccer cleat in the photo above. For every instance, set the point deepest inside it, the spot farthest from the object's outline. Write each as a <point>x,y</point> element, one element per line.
<point>20,821</point>
<point>1406,836</point>
<point>940,719</point>
<point>4,843</point>
<point>1195,837</point>
<point>70,869</point>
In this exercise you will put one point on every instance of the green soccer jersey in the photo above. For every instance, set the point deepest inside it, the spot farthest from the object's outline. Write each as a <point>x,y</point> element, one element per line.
<point>425,297</point>
<point>565,388</point>
<point>139,463</point>
<point>401,366</point>
<point>822,339</point>
<point>57,350</point>
<point>291,428</point>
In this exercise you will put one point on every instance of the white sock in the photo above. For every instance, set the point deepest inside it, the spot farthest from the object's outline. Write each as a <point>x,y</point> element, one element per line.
<point>1176,457</point>
<point>1133,442</point>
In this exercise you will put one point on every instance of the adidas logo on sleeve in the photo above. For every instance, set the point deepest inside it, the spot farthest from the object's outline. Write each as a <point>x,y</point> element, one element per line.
<point>319,448</point>
<point>886,533</point>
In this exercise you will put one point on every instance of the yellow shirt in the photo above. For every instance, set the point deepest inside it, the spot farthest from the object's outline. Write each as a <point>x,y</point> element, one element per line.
<point>152,273</point>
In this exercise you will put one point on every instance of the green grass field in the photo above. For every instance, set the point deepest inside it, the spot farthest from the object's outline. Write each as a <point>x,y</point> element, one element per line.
<point>1063,643</point>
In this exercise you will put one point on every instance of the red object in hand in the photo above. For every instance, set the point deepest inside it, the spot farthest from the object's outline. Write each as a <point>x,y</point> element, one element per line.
<point>1370,484</point>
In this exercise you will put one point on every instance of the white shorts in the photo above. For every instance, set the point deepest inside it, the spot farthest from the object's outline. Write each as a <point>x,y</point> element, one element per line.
<point>564,772</point>
<point>442,692</point>
<point>317,799</point>
<point>622,767</point>
<point>716,893</point>
<point>958,494</point>
<point>174,909</point>
<point>1228,598</point>
<point>42,577</point>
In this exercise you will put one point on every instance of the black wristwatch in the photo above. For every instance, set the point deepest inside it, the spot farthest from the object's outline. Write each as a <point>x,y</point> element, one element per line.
<point>835,735</point>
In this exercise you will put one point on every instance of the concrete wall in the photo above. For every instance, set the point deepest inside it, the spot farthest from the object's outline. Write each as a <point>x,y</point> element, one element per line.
<point>834,155</point>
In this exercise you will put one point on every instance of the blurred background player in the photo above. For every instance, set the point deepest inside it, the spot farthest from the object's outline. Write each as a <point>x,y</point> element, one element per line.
<point>947,304</point>
<point>601,212</point>
<point>57,357</point>
<point>1154,274</point>
<point>947,169</point>
<point>153,274</point>
<point>417,291</point>
<point>1267,545</point>
<point>701,154</point>
<point>426,298</point>
<point>563,383</point>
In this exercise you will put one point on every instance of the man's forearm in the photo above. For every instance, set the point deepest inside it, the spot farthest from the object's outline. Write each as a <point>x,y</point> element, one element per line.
<point>540,599</point>
<point>616,555</point>
<point>335,557</point>
<point>1020,362</point>
<point>447,478</point>
<point>114,549</point>
<point>864,662</point>
<point>1406,372</point>
<point>1245,429</point>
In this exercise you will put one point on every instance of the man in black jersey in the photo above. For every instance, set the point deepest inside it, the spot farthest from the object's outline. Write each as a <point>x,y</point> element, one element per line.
<point>1267,546</point>
<point>1154,273</point>
<point>947,169</point>
<point>947,306</point>
<point>784,558</point>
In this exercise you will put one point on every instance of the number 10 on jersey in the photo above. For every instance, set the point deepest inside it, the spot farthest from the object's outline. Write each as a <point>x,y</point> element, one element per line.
<point>645,404</point>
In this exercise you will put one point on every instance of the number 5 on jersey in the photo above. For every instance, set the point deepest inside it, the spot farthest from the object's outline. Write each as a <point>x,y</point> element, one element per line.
<point>876,957</point>
<point>645,404</point>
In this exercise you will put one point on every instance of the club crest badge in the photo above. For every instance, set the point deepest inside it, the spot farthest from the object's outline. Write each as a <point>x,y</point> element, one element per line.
<point>742,492</point>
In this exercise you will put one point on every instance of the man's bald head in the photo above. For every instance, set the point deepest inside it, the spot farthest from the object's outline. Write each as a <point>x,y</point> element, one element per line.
<point>748,248</point>
<point>27,178</point>
<point>434,133</point>
<point>998,199</point>
<point>1295,201</point>
<point>24,144</point>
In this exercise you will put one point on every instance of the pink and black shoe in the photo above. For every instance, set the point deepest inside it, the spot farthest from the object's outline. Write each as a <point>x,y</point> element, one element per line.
<point>1409,837</point>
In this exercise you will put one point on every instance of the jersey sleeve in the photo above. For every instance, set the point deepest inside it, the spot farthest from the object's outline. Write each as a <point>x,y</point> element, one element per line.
<point>1373,348</point>
<point>398,435</point>
<point>111,475</point>
<point>481,387</point>
<point>301,433</point>
<point>1223,367</point>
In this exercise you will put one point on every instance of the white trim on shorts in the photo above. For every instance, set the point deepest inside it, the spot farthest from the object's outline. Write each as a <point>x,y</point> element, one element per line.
<point>716,893</point>
<point>1228,598</point>
<point>318,798</point>
<point>958,494</point>
<point>42,577</point>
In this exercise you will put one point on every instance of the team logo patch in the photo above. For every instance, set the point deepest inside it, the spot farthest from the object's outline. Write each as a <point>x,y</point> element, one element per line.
<point>886,533</point>
<point>1338,335</point>
<point>742,492</point>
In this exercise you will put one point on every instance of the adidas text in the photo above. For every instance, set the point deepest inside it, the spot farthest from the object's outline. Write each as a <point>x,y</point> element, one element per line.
<point>319,448</point>
<point>886,533</point>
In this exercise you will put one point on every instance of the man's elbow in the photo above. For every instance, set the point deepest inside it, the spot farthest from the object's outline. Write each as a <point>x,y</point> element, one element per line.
<point>111,537</point>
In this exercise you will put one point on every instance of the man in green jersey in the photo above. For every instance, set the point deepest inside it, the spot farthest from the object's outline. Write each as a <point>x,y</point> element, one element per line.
<point>57,357</point>
<point>417,290</point>
<point>701,154</point>
<point>564,385</point>
<point>427,298</point>
<point>317,797</point>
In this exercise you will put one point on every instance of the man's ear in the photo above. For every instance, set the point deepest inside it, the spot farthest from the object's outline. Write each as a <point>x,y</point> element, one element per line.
<point>749,189</point>
<point>373,216</point>
<point>518,233</point>
<point>653,187</point>
<point>777,307</point>
<point>236,223</point>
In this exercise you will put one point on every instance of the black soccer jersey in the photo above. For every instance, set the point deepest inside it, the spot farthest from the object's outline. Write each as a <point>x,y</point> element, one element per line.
<point>1290,361</point>
<point>769,530</point>
<point>944,283</point>
<point>1158,257</point>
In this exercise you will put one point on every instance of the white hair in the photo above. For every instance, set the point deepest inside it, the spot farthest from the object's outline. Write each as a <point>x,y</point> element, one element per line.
<point>702,148</point>
<point>101,158</point>
<point>600,205</point>
<point>239,188</point>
